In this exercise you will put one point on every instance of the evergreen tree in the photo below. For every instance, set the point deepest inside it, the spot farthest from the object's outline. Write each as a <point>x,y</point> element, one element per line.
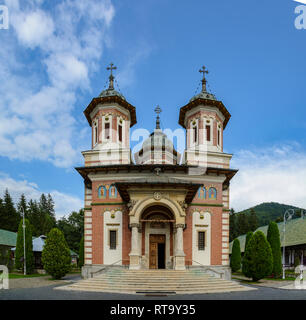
<point>81,253</point>
<point>46,214</point>
<point>274,239</point>
<point>232,225</point>
<point>35,217</point>
<point>22,206</point>
<point>253,221</point>
<point>247,239</point>
<point>242,223</point>
<point>236,256</point>
<point>19,253</point>
<point>9,218</point>
<point>258,260</point>
<point>56,256</point>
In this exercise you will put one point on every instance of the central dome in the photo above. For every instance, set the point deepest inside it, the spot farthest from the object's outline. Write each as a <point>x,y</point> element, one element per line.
<point>157,149</point>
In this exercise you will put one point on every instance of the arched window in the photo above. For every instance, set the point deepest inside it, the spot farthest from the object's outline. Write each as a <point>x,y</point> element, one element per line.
<point>113,192</point>
<point>102,192</point>
<point>212,193</point>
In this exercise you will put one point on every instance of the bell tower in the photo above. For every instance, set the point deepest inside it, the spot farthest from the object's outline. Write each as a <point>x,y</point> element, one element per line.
<point>110,117</point>
<point>204,119</point>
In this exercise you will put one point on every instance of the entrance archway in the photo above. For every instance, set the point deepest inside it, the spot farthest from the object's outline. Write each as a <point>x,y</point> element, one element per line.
<point>157,237</point>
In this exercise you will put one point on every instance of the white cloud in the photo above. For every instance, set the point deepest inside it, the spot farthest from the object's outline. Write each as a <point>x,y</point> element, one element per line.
<point>64,203</point>
<point>33,28</point>
<point>275,174</point>
<point>49,56</point>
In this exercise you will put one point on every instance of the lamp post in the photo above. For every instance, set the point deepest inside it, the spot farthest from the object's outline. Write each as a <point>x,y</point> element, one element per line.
<point>24,248</point>
<point>287,216</point>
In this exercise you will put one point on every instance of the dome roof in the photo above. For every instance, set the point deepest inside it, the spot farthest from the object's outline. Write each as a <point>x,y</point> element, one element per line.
<point>157,139</point>
<point>110,93</point>
<point>203,95</point>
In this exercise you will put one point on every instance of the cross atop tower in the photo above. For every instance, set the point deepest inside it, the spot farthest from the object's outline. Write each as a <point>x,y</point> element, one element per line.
<point>157,110</point>
<point>111,77</point>
<point>204,81</point>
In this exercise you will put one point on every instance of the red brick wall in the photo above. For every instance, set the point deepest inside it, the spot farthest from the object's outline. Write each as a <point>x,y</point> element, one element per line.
<point>97,235</point>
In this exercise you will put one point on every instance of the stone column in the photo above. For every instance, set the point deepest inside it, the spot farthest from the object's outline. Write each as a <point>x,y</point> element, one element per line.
<point>179,259</point>
<point>135,254</point>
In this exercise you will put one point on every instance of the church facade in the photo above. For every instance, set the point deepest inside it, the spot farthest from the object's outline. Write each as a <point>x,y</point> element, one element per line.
<point>162,210</point>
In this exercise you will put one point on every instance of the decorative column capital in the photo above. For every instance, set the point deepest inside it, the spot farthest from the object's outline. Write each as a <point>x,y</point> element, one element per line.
<point>135,225</point>
<point>180,225</point>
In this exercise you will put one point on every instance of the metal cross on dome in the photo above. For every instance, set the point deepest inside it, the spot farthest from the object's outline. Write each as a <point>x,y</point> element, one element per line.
<point>204,71</point>
<point>111,77</point>
<point>111,68</point>
<point>157,110</point>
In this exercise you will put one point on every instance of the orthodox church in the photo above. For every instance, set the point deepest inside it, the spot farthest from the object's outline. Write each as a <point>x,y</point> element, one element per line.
<point>162,210</point>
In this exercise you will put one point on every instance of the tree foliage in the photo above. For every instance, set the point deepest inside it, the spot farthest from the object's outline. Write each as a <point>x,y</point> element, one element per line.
<point>19,253</point>
<point>258,260</point>
<point>9,217</point>
<point>236,256</point>
<point>247,238</point>
<point>273,237</point>
<point>56,256</point>
<point>73,229</point>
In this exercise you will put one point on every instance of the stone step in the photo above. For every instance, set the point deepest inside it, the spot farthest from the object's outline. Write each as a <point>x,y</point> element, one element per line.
<point>165,290</point>
<point>146,281</point>
<point>162,287</point>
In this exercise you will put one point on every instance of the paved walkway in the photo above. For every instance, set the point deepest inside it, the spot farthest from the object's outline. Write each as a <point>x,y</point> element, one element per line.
<point>36,282</point>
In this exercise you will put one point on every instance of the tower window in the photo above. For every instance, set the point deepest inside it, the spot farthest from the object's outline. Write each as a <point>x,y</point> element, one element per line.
<point>120,133</point>
<point>218,137</point>
<point>195,134</point>
<point>96,134</point>
<point>208,133</point>
<point>201,240</point>
<point>106,130</point>
<point>112,239</point>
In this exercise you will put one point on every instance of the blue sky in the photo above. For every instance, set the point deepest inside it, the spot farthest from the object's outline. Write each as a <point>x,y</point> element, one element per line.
<point>53,60</point>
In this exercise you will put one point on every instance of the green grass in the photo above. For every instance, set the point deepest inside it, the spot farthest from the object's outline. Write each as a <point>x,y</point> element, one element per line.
<point>19,275</point>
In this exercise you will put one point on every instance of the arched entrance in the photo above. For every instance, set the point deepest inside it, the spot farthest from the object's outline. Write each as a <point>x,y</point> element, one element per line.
<point>157,237</point>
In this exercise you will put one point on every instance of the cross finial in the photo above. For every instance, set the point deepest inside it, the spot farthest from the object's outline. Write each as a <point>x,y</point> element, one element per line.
<point>111,77</point>
<point>204,81</point>
<point>157,110</point>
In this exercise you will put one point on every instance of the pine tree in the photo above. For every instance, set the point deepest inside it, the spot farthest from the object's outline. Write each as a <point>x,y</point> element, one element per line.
<point>35,217</point>
<point>56,256</point>
<point>258,260</point>
<point>9,218</point>
<point>19,252</point>
<point>273,237</point>
<point>236,256</point>
<point>242,223</point>
<point>22,206</point>
<point>253,221</point>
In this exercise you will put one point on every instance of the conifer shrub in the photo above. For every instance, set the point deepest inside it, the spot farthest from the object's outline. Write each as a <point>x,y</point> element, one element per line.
<point>274,239</point>
<point>56,256</point>
<point>19,252</point>
<point>236,256</point>
<point>258,260</point>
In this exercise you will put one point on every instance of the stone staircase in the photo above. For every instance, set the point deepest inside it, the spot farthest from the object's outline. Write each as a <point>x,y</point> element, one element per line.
<point>119,280</point>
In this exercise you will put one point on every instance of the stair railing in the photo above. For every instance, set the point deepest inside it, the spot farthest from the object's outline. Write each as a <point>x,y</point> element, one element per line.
<point>105,268</point>
<point>219,273</point>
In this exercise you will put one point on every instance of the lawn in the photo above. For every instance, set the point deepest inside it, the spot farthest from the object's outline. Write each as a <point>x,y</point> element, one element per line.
<point>19,275</point>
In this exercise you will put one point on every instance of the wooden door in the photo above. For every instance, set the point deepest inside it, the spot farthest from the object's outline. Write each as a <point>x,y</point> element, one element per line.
<point>153,255</point>
<point>154,240</point>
